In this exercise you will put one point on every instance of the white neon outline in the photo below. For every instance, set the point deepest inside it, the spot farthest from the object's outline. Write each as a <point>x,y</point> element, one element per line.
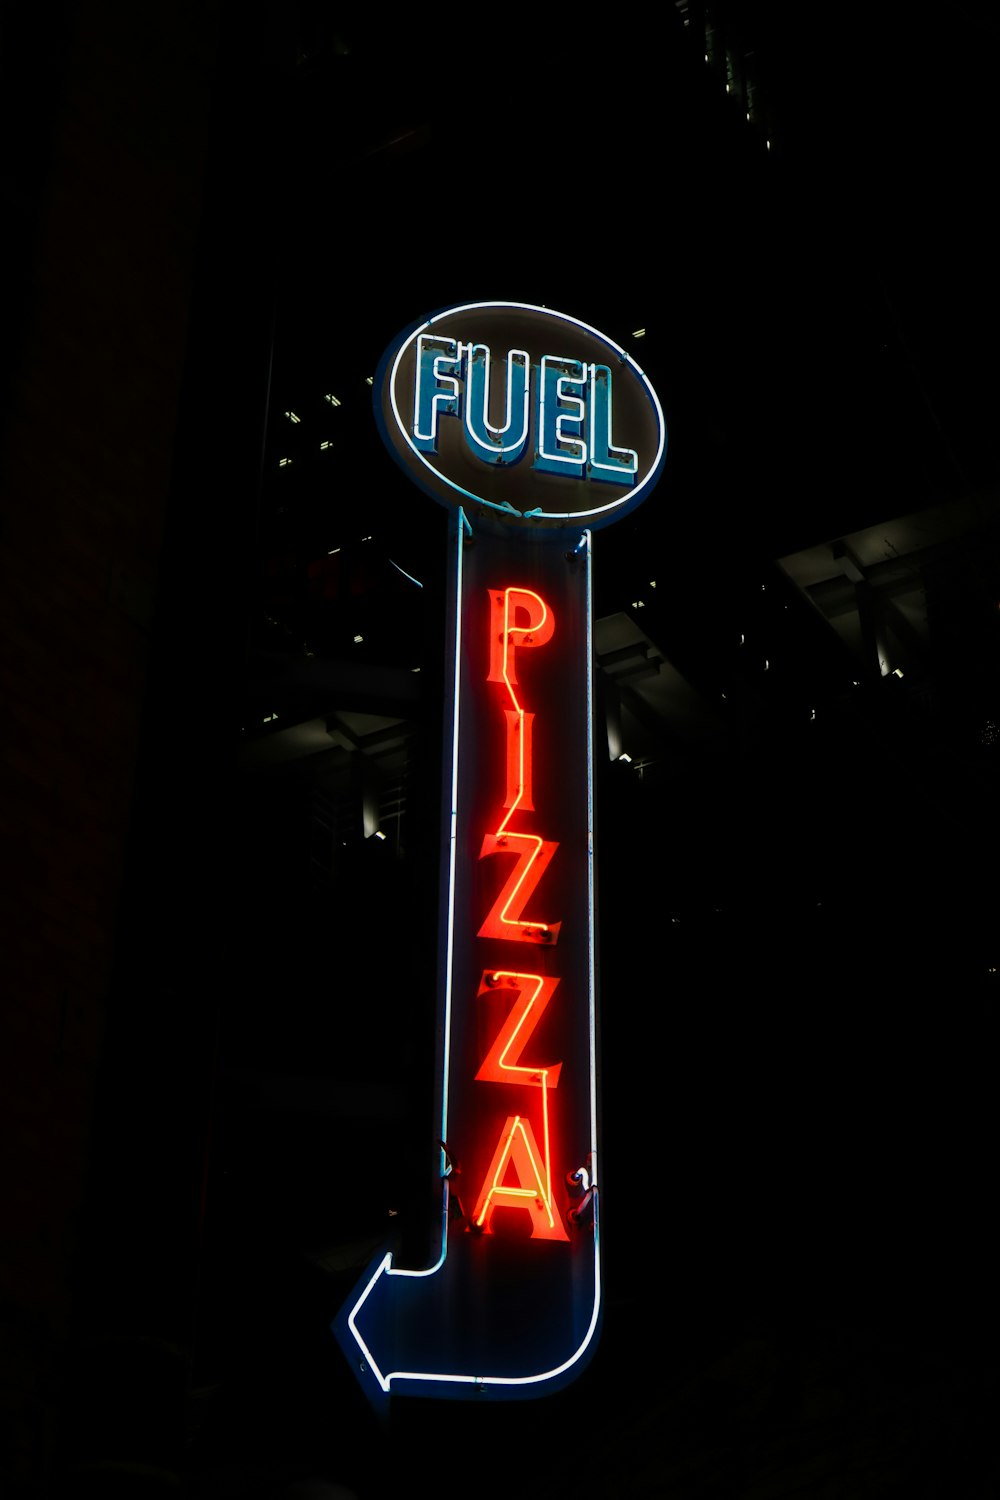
<point>607,445</point>
<point>543,515</point>
<point>449,961</point>
<point>429,1378</point>
<point>562,396</point>
<point>439,376</point>
<point>385,1265</point>
<point>591,901</point>
<point>492,449</point>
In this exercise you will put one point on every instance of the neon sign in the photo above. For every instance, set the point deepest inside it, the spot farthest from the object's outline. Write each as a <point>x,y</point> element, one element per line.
<point>511,1303</point>
<point>534,993</point>
<point>561,427</point>
<point>517,1146</point>
<point>518,1075</point>
<point>572,410</point>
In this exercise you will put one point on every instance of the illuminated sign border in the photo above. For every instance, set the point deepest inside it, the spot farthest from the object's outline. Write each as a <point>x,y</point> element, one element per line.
<point>434,481</point>
<point>470,1382</point>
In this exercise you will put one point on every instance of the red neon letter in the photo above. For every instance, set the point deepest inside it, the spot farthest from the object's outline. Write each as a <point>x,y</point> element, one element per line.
<point>503,644</point>
<point>519,760</point>
<point>504,918</point>
<point>534,991</point>
<point>517,1148</point>
<point>506,635</point>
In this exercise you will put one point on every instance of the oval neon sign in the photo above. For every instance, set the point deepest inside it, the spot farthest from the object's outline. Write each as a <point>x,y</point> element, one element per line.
<point>523,414</point>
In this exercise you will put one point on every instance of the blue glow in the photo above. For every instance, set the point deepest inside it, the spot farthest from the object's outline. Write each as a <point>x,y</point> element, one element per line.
<point>608,463</point>
<point>429,1378</point>
<point>406,574</point>
<point>397,1376</point>
<point>486,441</point>
<point>561,417</point>
<point>438,391</point>
<point>591,896</point>
<point>460,530</point>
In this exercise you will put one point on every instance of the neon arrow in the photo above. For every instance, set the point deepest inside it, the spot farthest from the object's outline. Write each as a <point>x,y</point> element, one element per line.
<point>438,1332</point>
<point>512,1302</point>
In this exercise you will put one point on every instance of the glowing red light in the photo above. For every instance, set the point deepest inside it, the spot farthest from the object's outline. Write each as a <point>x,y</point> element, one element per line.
<point>532,994</point>
<point>532,1191</point>
<point>505,919</point>
<point>519,618</point>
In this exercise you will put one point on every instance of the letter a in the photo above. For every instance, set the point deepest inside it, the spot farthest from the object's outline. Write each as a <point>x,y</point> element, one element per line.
<point>517,1147</point>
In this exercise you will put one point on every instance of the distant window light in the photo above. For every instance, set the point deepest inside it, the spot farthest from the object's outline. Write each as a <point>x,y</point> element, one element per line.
<point>748,114</point>
<point>414,669</point>
<point>283,463</point>
<point>380,835</point>
<point>898,672</point>
<point>292,416</point>
<point>358,639</point>
<point>727,88</point>
<point>333,400</point>
<point>369,380</point>
<point>638,333</point>
<point>269,718</point>
<point>326,443</point>
<point>366,538</point>
<point>638,604</point>
<point>768,145</point>
<point>334,550</point>
<point>625,757</point>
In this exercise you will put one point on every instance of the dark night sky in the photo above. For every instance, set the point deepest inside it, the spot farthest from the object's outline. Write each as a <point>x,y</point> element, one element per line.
<point>794,1089</point>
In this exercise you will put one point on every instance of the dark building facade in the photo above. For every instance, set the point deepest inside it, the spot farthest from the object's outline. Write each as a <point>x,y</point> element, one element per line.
<point>223,668</point>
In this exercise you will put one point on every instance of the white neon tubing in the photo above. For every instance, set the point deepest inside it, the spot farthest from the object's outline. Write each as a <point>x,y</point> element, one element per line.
<point>430,1377</point>
<point>385,1265</point>
<point>542,515</point>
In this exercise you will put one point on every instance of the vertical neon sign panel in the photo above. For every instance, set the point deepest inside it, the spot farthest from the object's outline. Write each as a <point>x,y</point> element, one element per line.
<point>511,1301</point>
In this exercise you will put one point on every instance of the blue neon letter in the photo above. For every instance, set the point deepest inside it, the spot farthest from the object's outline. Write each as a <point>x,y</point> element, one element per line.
<point>615,465</point>
<point>561,449</point>
<point>435,387</point>
<point>496,445</point>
